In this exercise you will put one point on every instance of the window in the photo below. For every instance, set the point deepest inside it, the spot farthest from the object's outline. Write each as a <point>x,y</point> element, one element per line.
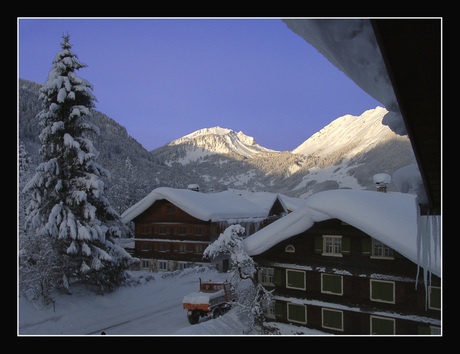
<point>182,230</point>
<point>332,246</point>
<point>382,291</point>
<point>162,247</point>
<point>182,248</point>
<point>295,279</point>
<point>379,250</point>
<point>268,308</point>
<point>289,249</point>
<point>170,209</point>
<point>331,284</point>
<point>382,325</point>
<point>434,298</point>
<point>182,265</point>
<point>162,230</point>
<point>332,319</point>
<point>162,265</point>
<point>267,276</point>
<point>145,264</point>
<point>198,248</point>
<point>146,246</point>
<point>198,231</point>
<point>145,229</point>
<point>297,313</point>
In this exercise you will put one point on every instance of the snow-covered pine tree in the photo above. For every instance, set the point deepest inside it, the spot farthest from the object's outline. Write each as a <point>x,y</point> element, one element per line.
<point>67,195</point>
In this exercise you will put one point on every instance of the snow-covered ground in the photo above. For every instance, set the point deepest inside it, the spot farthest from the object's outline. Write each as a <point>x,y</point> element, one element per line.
<point>154,307</point>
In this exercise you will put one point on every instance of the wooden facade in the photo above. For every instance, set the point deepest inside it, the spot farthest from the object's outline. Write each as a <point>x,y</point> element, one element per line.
<point>168,238</point>
<point>335,278</point>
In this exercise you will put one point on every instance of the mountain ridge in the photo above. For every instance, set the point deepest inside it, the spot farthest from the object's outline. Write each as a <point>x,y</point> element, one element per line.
<point>330,158</point>
<point>220,158</point>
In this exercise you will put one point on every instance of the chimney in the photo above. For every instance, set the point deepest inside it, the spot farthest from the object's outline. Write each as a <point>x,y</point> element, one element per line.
<point>381,181</point>
<point>194,187</point>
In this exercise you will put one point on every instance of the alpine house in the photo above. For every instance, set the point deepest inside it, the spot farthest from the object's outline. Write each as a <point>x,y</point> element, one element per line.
<point>349,262</point>
<point>172,227</point>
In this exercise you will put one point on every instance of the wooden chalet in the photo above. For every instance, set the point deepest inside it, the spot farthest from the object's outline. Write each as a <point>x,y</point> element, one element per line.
<point>173,227</point>
<point>333,276</point>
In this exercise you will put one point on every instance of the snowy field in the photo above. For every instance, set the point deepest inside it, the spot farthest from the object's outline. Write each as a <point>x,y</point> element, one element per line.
<point>154,307</point>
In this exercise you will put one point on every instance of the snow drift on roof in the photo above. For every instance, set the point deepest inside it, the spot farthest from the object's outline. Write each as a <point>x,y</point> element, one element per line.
<point>390,218</point>
<point>208,207</point>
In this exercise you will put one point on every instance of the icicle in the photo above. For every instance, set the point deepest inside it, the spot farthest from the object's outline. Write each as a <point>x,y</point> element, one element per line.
<point>419,241</point>
<point>428,244</point>
<point>257,226</point>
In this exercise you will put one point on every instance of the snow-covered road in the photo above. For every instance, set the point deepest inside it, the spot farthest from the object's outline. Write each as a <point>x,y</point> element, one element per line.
<point>152,308</point>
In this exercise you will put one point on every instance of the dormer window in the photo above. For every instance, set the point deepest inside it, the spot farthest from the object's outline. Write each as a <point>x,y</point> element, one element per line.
<point>289,249</point>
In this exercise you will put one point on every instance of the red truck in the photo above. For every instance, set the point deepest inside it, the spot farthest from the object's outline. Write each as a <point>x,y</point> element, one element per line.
<point>213,300</point>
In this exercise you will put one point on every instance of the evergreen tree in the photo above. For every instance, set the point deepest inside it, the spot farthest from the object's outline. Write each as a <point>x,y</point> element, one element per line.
<point>68,206</point>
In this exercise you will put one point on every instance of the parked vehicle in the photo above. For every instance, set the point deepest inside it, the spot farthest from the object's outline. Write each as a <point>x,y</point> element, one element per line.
<point>213,299</point>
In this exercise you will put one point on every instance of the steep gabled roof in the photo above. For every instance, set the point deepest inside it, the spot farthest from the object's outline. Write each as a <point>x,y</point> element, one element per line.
<point>221,206</point>
<point>391,218</point>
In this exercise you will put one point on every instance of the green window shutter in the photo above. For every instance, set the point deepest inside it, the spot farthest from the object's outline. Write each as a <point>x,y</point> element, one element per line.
<point>277,277</point>
<point>297,313</point>
<point>279,309</point>
<point>318,244</point>
<point>331,284</point>
<point>295,279</point>
<point>346,245</point>
<point>366,246</point>
<point>382,291</point>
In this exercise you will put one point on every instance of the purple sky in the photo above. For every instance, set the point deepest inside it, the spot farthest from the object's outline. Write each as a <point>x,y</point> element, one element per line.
<point>165,78</point>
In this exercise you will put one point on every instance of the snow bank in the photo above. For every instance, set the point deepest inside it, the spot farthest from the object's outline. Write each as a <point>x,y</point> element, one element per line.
<point>351,46</point>
<point>208,207</point>
<point>390,218</point>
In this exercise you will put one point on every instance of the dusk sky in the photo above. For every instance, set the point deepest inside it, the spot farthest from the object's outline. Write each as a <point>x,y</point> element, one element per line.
<point>165,78</point>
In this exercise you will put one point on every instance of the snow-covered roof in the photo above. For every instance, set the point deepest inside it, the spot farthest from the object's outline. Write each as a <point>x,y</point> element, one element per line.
<point>391,218</point>
<point>267,199</point>
<point>204,206</point>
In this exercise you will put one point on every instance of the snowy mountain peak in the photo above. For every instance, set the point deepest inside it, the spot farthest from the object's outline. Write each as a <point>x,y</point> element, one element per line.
<point>350,132</point>
<point>206,131</point>
<point>216,140</point>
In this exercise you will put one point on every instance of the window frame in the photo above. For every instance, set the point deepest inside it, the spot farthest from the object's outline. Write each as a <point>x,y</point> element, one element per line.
<point>341,329</point>
<point>330,292</point>
<point>289,312</point>
<point>430,306</point>
<point>304,279</point>
<point>384,247</point>
<point>371,281</point>
<point>265,275</point>
<point>333,245</point>
<point>371,317</point>
<point>162,265</point>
